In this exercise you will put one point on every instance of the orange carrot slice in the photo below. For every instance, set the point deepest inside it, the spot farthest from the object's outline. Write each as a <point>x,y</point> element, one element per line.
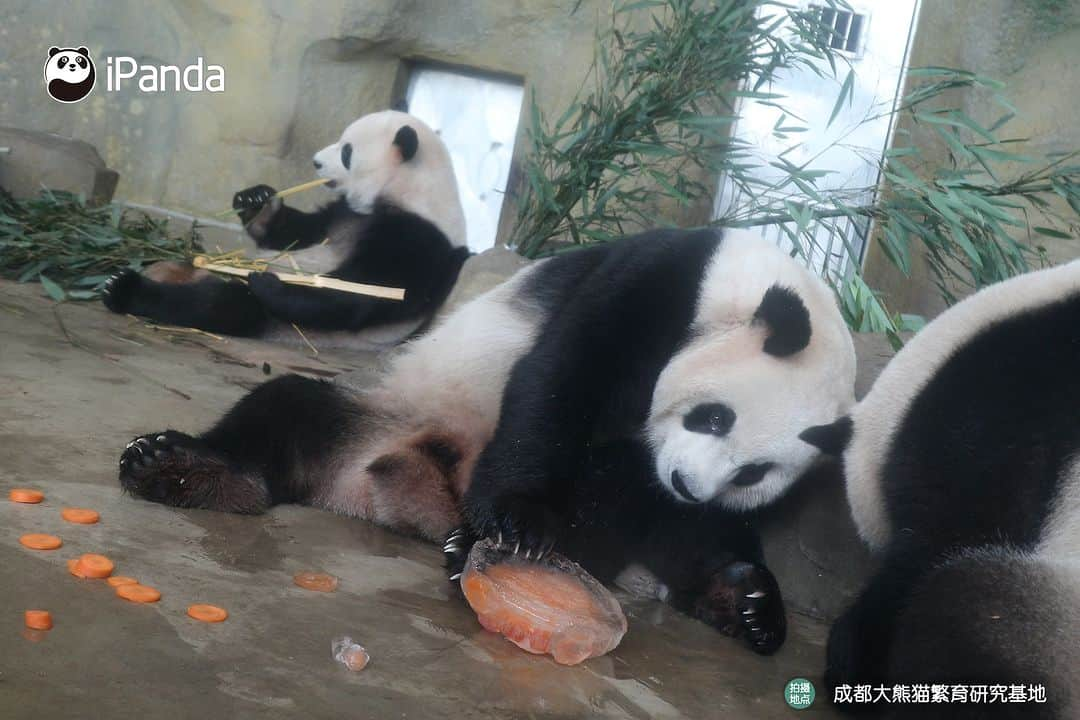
<point>118,580</point>
<point>138,593</point>
<point>95,566</point>
<point>41,541</point>
<point>74,569</point>
<point>320,582</point>
<point>25,495</point>
<point>208,613</point>
<point>82,516</point>
<point>38,619</point>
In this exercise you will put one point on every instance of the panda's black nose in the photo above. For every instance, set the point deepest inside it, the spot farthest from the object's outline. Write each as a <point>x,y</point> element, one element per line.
<point>317,164</point>
<point>680,487</point>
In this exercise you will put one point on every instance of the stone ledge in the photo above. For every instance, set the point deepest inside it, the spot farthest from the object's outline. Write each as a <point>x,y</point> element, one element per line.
<point>36,160</point>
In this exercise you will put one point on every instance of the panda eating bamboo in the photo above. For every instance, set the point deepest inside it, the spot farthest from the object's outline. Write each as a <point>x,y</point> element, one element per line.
<point>396,221</point>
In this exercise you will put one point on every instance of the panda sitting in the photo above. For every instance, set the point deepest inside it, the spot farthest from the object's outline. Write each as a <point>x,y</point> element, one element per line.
<point>397,222</point>
<point>627,404</point>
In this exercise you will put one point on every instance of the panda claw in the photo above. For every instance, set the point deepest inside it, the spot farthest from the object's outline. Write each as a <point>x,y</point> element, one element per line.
<point>755,595</point>
<point>517,546</point>
<point>455,577</point>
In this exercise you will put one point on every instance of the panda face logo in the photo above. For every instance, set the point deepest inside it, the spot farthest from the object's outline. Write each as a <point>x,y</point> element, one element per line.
<point>69,74</point>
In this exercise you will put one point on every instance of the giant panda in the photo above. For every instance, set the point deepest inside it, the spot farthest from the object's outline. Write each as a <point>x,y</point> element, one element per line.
<point>396,221</point>
<point>963,471</point>
<point>630,404</point>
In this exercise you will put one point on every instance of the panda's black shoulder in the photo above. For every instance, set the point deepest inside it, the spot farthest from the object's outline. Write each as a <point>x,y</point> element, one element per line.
<point>408,230</point>
<point>649,260</point>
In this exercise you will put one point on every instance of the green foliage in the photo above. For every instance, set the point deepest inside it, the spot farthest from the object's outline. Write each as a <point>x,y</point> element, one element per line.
<point>651,124</point>
<point>71,248</point>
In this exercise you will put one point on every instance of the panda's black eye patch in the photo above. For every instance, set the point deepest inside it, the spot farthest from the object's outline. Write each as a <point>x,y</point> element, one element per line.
<point>710,418</point>
<point>346,155</point>
<point>81,61</point>
<point>62,61</point>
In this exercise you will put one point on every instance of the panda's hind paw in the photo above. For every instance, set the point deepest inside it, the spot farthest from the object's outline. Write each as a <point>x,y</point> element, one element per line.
<point>120,289</point>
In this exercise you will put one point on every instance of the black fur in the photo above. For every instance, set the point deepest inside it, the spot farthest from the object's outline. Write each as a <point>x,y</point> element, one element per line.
<point>584,379</point>
<point>407,142</point>
<point>976,462</point>
<point>270,448</point>
<point>831,439</point>
<point>788,320</point>
<point>392,247</point>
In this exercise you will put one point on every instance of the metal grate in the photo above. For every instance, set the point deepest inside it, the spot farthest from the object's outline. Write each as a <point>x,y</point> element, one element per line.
<point>843,29</point>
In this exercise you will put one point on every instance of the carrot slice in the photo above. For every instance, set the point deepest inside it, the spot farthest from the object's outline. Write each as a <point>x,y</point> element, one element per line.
<point>38,619</point>
<point>320,582</point>
<point>25,495</point>
<point>95,566</point>
<point>41,541</point>
<point>208,613</point>
<point>118,580</point>
<point>82,516</point>
<point>138,593</point>
<point>74,568</point>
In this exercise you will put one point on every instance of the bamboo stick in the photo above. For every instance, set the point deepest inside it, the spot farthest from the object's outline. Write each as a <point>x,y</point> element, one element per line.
<point>321,281</point>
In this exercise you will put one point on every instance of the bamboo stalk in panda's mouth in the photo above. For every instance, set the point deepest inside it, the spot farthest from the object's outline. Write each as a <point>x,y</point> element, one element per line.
<point>320,281</point>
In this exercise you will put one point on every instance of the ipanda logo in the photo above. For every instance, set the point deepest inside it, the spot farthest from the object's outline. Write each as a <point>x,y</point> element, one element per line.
<point>70,75</point>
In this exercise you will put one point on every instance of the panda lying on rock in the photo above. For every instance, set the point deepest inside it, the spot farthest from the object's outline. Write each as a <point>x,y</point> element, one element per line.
<point>397,222</point>
<point>629,404</point>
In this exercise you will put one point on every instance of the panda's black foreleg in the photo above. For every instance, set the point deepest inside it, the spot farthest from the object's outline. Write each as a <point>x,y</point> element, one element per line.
<point>860,640</point>
<point>276,445</point>
<point>711,566</point>
<point>210,304</point>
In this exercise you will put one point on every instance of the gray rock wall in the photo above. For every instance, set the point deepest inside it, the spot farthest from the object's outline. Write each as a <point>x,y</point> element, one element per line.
<point>296,74</point>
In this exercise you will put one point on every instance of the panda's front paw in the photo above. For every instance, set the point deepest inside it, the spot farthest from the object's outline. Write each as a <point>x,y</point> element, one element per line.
<point>523,524</point>
<point>743,599</point>
<point>456,552</point>
<point>120,289</point>
<point>256,206</point>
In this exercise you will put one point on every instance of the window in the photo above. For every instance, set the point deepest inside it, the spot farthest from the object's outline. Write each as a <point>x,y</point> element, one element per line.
<point>844,28</point>
<point>477,118</point>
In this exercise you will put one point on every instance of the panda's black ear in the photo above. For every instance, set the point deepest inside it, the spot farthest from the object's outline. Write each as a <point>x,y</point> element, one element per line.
<point>407,142</point>
<point>53,50</point>
<point>83,51</point>
<point>831,439</point>
<point>787,319</point>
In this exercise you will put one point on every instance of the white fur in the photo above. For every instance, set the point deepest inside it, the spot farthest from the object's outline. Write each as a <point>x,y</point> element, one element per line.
<point>450,380</point>
<point>879,415</point>
<point>1061,534</point>
<point>774,398</point>
<point>424,185</point>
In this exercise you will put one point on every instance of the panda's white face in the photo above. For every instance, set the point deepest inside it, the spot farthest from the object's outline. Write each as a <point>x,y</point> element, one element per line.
<point>394,157</point>
<point>363,161</point>
<point>727,414</point>
<point>71,66</point>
